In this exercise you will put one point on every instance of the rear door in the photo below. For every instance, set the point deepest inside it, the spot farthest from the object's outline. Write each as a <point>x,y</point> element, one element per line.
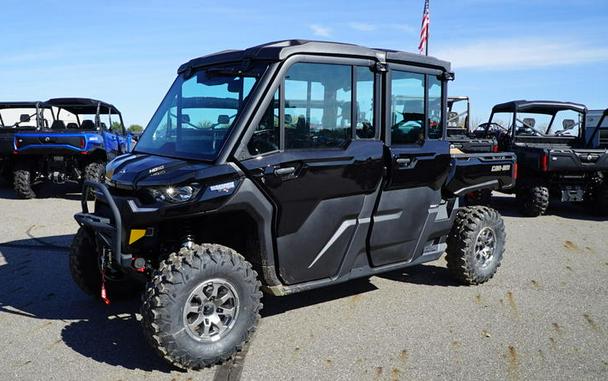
<point>418,165</point>
<point>316,154</point>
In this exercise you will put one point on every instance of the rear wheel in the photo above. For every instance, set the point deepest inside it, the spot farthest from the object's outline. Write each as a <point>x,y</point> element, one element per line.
<point>476,244</point>
<point>600,199</point>
<point>201,306</point>
<point>533,200</point>
<point>86,272</point>
<point>94,172</point>
<point>22,183</point>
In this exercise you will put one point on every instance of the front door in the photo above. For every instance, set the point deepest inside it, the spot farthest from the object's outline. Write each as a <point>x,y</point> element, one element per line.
<point>419,164</point>
<point>318,164</point>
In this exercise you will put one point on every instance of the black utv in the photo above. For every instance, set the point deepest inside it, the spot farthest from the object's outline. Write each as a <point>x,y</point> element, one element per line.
<point>19,117</point>
<point>464,140</point>
<point>284,167</point>
<point>554,154</point>
<point>460,134</point>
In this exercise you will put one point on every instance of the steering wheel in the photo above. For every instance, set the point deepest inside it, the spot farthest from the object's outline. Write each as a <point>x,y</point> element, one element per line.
<point>492,125</point>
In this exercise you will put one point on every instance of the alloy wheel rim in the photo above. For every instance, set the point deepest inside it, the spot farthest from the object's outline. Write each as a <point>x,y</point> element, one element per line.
<point>211,310</point>
<point>485,245</point>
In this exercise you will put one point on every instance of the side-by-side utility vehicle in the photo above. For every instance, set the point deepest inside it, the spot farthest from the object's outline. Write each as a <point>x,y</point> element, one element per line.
<point>462,139</point>
<point>19,117</point>
<point>459,128</point>
<point>284,167</point>
<point>554,151</point>
<point>83,136</point>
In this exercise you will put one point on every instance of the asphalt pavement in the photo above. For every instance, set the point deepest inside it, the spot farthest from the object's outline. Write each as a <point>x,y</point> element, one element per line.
<point>543,316</point>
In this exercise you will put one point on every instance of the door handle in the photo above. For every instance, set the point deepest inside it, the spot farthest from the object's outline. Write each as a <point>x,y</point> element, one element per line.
<point>284,171</point>
<point>404,161</point>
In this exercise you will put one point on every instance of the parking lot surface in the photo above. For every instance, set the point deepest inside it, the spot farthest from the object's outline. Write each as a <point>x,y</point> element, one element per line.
<point>544,315</point>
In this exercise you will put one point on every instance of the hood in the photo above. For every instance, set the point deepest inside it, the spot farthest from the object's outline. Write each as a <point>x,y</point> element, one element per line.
<point>137,170</point>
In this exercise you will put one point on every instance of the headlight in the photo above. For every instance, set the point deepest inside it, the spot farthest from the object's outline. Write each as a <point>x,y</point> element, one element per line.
<point>176,194</point>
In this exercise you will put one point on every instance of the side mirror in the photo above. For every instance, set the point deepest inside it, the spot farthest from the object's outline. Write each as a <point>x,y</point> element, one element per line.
<point>568,124</point>
<point>185,118</point>
<point>24,118</point>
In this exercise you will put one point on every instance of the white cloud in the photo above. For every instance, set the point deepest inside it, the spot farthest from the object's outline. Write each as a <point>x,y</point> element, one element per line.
<point>520,53</point>
<point>404,28</point>
<point>362,26</point>
<point>320,30</point>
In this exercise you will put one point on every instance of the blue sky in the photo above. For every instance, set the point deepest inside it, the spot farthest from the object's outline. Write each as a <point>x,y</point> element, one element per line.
<point>127,52</point>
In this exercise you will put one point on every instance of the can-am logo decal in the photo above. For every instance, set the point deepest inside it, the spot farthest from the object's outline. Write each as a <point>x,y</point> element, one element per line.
<point>225,187</point>
<point>500,168</point>
<point>154,170</point>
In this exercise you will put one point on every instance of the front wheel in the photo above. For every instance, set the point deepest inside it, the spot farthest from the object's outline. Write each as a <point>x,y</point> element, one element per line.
<point>476,244</point>
<point>86,272</point>
<point>201,306</point>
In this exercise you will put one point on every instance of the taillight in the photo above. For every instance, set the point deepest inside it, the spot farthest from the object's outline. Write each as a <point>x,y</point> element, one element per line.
<point>82,142</point>
<point>18,142</point>
<point>544,162</point>
<point>495,148</point>
<point>515,171</point>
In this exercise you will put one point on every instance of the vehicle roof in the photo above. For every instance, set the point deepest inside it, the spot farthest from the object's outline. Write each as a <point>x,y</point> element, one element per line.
<point>281,50</point>
<point>82,105</point>
<point>538,107</point>
<point>22,104</point>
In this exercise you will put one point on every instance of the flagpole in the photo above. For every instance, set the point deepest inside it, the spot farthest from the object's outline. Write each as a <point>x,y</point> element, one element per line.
<point>428,34</point>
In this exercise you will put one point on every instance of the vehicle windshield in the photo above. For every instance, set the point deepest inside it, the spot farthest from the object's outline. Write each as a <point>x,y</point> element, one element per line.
<point>24,117</point>
<point>197,114</point>
<point>558,124</point>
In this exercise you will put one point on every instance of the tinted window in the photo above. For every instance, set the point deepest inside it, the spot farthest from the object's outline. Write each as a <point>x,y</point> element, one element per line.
<point>317,106</point>
<point>265,137</point>
<point>435,110</point>
<point>365,103</point>
<point>407,107</point>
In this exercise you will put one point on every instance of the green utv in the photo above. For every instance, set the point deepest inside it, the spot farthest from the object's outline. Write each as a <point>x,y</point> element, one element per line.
<point>284,167</point>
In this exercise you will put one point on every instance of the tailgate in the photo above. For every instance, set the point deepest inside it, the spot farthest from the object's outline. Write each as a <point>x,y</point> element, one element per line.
<point>49,141</point>
<point>577,160</point>
<point>476,171</point>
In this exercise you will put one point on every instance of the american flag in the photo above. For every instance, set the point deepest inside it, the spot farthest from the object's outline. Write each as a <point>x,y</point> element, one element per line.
<point>423,47</point>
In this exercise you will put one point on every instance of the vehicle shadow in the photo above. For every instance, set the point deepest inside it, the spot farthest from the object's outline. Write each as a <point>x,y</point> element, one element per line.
<point>429,275</point>
<point>35,283</point>
<point>507,206</point>
<point>275,305</point>
<point>68,191</point>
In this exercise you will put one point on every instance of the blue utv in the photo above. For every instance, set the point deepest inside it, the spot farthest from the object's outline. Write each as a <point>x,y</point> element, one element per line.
<point>84,135</point>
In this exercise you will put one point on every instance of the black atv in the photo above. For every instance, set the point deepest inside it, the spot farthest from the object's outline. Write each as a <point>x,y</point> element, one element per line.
<point>18,117</point>
<point>275,168</point>
<point>83,136</point>
<point>554,155</point>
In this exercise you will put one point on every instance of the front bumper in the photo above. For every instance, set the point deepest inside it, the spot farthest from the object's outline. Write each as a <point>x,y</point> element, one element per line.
<point>110,233</point>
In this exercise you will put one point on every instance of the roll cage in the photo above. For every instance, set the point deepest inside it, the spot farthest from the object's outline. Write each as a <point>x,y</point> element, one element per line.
<point>550,108</point>
<point>87,106</point>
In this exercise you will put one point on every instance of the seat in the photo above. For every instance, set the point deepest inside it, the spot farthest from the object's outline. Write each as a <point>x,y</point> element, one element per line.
<point>72,126</point>
<point>58,125</point>
<point>88,125</point>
